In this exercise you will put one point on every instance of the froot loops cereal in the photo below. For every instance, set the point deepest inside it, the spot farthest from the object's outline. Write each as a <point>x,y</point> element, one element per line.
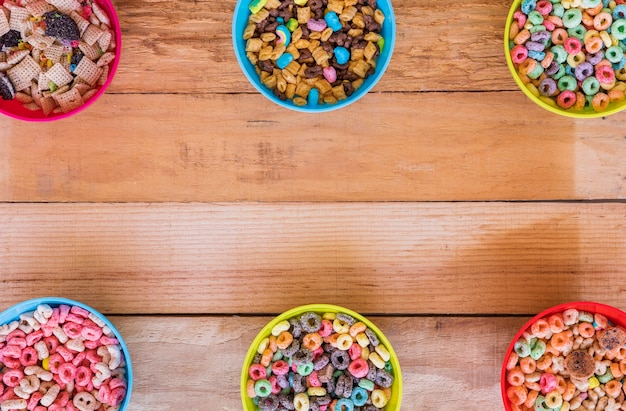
<point>570,53</point>
<point>569,360</point>
<point>60,358</point>
<point>320,361</point>
<point>314,51</point>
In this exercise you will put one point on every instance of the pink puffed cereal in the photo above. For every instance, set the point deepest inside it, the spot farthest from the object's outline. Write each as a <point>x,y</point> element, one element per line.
<point>280,367</point>
<point>547,382</point>
<point>314,380</point>
<point>83,376</point>
<point>358,368</point>
<point>354,351</point>
<point>64,310</point>
<point>72,329</point>
<point>12,378</point>
<point>34,337</point>
<point>67,372</point>
<point>28,356</point>
<point>326,328</point>
<point>117,396</point>
<point>257,372</point>
<point>80,311</point>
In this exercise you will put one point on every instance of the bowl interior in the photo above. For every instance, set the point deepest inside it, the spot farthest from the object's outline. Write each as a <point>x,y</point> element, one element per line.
<point>15,109</point>
<point>614,315</point>
<point>13,313</point>
<point>240,20</point>
<point>587,112</point>
<point>396,388</point>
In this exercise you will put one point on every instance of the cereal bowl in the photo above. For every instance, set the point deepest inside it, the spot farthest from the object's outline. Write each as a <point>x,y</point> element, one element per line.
<point>549,362</point>
<point>65,62</point>
<point>57,351</point>
<point>357,377</point>
<point>311,78</point>
<point>568,60</point>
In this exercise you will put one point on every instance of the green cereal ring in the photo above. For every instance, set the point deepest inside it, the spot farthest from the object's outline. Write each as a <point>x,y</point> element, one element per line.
<point>367,384</point>
<point>577,31</point>
<point>618,29</point>
<point>540,404</point>
<point>589,4</point>
<point>572,17</point>
<point>606,377</point>
<point>537,71</point>
<point>305,369</point>
<point>537,350</point>
<point>560,73</point>
<point>560,55</point>
<point>262,388</point>
<point>539,27</point>
<point>585,317</point>
<point>522,348</point>
<point>590,86</point>
<point>567,83</point>
<point>535,17</point>
<point>614,54</point>
<point>558,9</point>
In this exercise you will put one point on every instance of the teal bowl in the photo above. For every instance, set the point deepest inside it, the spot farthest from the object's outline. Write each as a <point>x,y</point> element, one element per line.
<point>388,32</point>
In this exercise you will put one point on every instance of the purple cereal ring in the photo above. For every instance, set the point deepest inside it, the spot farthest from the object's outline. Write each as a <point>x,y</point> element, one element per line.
<point>552,68</point>
<point>541,36</point>
<point>583,70</point>
<point>595,58</point>
<point>534,46</point>
<point>316,25</point>
<point>547,87</point>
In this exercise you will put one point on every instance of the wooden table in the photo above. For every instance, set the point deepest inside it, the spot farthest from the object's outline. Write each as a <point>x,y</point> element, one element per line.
<point>444,205</point>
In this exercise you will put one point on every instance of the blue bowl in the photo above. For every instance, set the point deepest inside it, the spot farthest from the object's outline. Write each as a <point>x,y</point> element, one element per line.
<point>388,32</point>
<point>13,313</point>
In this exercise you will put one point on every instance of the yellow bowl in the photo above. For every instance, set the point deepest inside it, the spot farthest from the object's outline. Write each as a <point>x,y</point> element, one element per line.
<point>396,388</point>
<point>541,101</point>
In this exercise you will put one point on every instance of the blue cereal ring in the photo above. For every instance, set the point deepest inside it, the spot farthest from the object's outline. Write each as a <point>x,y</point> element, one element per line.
<point>344,404</point>
<point>619,12</point>
<point>284,60</point>
<point>528,6</point>
<point>359,396</point>
<point>313,97</point>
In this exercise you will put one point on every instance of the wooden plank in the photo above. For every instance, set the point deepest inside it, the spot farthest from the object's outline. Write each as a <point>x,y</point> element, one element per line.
<point>412,147</point>
<point>186,47</point>
<point>452,258</point>
<point>461,357</point>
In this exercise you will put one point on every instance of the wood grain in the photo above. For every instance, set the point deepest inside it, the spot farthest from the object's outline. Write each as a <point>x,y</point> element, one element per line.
<point>392,258</point>
<point>186,47</point>
<point>461,357</point>
<point>415,147</point>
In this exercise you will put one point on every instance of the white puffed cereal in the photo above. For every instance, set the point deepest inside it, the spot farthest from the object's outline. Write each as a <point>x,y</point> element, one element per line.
<point>42,350</point>
<point>75,344</point>
<point>84,401</point>
<point>13,405</point>
<point>50,395</point>
<point>42,374</point>
<point>60,334</point>
<point>116,356</point>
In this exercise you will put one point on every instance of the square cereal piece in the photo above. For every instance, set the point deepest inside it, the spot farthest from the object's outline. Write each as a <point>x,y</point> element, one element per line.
<point>54,53</point>
<point>105,59</point>
<point>15,57</point>
<point>4,24</point>
<point>100,14</point>
<point>92,34</point>
<point>88,71</point>
<point>80,22</point>
<point>58,75</point>
<point>39,8</point>
<point>22,73</point>
<point>19,17</point>
<point>105,40</point>
<point>65,6</point>
<point>104,76</point>
<point>69,100</point>
<point>48,104</point>
<point>39,42</point>
<point>92,52</point>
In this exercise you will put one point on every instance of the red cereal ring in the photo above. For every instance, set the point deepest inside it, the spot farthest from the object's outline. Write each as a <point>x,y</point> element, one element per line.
<point>83,376</point>
<point>544,7</point>
<point>51,343</point>
<point>519,53</point>
<point>566,99</point>
<point>358,368</point>
<point>572,45</point>
<point>605,74</point>
<point>326,328</point>
<point>313,380</point>
<point>12,378</point>
<point>257,372</point>
<point>33,337</point>
<point>67,372</point>
<point>354,351</point>
<point>12,351</point>
<point>280,367</point>
<point>117,395</point>
<point>104,393</point>
<point>28,357</point>
<point>91,332</point>
<point>72,329</point>
<point>55,360</point>
<point>34,400</point>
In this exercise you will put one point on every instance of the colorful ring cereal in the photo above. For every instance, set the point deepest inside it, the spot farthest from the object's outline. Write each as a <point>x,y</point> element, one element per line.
<point>580,367</point>
<point>578,44</point>
<point>72,370</point>
<point>354,366</point>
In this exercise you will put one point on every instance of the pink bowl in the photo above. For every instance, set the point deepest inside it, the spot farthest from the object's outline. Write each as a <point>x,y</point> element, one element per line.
<point>15,109</point>
<point>614,315</point>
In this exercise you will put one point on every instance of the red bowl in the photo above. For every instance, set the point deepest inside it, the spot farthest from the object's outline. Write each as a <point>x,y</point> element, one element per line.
<point>16,109</point>
<point>615,316</point>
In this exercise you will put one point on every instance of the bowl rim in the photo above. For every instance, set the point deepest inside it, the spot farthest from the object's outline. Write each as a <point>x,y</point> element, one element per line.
<point>266,330</point>
<point>587,113</point>
<point>117,29</point>
<point>381,69</point>
<point>12,313</point>
<point>590,306</point>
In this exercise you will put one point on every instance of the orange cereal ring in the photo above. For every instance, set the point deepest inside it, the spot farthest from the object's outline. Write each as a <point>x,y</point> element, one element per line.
<point>515,376</point>
<point>284,340</point>
<point>581,100</point>
<point>512,361</point>
<point>560,341</point>
<point>593,44</point>
<point>332,339</point>
<point>547,60</point>
<point>556,20</point>
<point>535,386</point>
<point>527,365</point>
<point>595,10</point>
<point>613,388</point>
<point>616,95</point>
<point>266,358</point>
<point>357,328</point>
<point>569,392</point>
<point>615,371</point>
<point>517,394</point>
<point>600,102</point>
<point>539,328</point>
<point>544,363</point>
<point>530,399</point>
<point>272,344</point>
<point>556,322</point>
<point>602,21</point>
<point>312,341</point>
<point>561,384</point>
<point>559,36</point>
<point>587,19</point>
<point>522,37</point>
